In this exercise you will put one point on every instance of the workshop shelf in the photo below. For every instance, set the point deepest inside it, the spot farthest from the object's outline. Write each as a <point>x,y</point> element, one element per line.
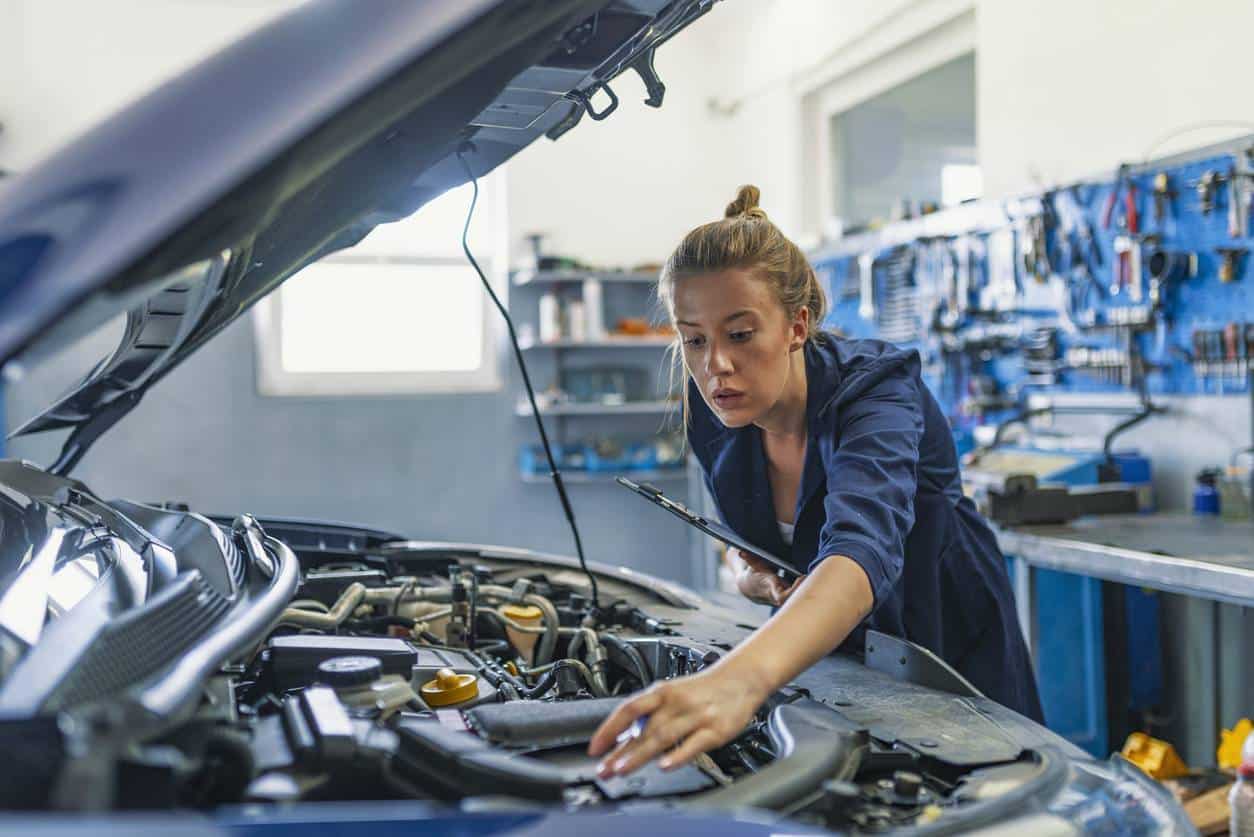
<point>607,343</point>
<point>660,475</point>
<point>628,408</point>
<point>527,277</point>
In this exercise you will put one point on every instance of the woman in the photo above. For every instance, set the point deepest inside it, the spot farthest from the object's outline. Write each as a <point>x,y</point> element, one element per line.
<point>830,451</point>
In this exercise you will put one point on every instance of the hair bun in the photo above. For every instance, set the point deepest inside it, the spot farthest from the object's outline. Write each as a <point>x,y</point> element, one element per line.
<point>745,204</point>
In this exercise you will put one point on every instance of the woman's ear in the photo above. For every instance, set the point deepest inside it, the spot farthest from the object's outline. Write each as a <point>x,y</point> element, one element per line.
<point>800,329</point>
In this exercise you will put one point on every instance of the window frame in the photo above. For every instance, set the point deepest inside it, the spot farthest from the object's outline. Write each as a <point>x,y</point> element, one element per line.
<point>274,380</point>
<point>916,39</point>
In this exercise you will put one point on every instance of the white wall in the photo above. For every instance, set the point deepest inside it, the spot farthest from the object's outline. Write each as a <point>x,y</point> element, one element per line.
<point>1067,88</point>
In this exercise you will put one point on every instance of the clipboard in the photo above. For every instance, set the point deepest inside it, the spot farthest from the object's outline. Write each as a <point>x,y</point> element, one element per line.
<point>713,528</point>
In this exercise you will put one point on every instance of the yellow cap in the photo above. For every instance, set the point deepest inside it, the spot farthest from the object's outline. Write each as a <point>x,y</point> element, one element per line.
<point>449,687</point>
<point>526,614</point>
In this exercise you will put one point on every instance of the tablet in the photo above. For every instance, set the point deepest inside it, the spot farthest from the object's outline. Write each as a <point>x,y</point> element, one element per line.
<point>712,528</point>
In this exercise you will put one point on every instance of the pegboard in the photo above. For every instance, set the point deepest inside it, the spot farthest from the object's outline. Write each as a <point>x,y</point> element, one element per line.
<point>1044,293</point>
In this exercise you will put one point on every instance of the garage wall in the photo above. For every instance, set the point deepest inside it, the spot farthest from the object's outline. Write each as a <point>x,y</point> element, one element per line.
<point>1042,69</point>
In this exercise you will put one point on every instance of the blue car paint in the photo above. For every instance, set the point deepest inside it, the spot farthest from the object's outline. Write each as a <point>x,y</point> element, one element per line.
<point>401,819</point>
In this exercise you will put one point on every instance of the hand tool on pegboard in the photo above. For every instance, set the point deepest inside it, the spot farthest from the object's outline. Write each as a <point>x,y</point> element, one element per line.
<point>1207,185</point>
<point>1230,262</point>
<point>1164,195</point>
<point>1239,192</point>
<point>1127,267</point>
<point>1124,185</point>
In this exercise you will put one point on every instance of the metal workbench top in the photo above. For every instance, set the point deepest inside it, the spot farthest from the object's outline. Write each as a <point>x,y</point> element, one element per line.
<point>1206,557</point>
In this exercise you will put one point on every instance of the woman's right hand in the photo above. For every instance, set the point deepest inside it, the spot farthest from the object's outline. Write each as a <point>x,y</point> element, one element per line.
<point>757,581</point>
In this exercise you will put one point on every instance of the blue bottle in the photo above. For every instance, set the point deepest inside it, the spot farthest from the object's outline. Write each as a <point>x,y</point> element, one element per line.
<point>1205,493</point>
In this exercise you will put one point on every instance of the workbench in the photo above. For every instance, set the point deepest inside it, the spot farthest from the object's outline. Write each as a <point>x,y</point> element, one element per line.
<point>1203,557</point>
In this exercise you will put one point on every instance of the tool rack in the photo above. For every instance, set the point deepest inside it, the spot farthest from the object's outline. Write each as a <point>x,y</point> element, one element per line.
<point>1137,282</point>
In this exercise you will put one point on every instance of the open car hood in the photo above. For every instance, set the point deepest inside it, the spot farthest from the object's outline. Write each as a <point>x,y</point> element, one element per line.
<point>195,202</point>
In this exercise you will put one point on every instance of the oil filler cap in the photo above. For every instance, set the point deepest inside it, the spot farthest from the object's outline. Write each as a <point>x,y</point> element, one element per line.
<point>449,688</point>
<point>346,672</point>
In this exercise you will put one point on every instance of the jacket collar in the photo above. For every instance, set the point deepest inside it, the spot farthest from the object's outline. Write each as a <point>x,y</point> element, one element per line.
<point>737,456</point>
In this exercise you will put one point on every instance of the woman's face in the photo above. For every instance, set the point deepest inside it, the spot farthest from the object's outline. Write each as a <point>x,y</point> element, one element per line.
<point>737,341</point>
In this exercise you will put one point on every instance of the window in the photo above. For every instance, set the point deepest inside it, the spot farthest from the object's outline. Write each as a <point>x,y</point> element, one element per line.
<point>914,142</point>
<point>402,312</point>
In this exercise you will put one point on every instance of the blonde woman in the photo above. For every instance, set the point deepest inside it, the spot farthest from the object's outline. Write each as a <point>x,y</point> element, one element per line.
<point>831,452</point>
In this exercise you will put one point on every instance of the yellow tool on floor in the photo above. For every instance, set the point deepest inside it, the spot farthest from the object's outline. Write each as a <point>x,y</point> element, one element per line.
<point>1230,742</point>
<point>1156,757</point>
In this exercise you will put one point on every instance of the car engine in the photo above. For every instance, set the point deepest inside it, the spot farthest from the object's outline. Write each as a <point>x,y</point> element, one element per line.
<point>190,663</point>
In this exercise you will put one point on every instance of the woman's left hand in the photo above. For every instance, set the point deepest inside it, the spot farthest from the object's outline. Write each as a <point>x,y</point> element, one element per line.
<point>697,713</point>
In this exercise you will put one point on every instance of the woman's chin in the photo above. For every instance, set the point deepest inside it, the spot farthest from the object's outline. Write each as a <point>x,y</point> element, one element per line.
<point>735,417</point>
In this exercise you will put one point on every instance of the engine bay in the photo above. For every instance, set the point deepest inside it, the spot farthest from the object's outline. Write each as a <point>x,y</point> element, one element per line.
<point>473,683</point>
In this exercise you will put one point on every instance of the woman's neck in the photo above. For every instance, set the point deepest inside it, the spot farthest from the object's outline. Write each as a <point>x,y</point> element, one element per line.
<point>788,417</point>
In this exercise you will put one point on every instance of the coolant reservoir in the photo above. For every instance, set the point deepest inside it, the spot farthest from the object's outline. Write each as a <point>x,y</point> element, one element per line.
<point>359,683</point>
<point>528,615</point>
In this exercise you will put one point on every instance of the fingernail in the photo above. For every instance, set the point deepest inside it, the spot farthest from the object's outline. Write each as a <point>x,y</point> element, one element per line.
<point>620,765</point>
<point>603,769</point>
<point>665,764</point>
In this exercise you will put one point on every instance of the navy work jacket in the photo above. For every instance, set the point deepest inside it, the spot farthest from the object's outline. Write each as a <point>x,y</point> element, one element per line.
<point>881,486</point>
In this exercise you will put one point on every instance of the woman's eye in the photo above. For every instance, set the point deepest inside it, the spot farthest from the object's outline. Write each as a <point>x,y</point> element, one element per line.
<point>741,336</point>
<point>695,342</point>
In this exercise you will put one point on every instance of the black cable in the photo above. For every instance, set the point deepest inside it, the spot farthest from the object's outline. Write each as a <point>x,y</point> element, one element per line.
<point>531,395</point>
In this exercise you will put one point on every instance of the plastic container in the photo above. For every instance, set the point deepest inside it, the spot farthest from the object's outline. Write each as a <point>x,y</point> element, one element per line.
<point>550,318</point>
<point>1205,493</point>
<point>593,311</point>
<point>528,616</point>
<point>1241,802</point>
<point>576,323</point>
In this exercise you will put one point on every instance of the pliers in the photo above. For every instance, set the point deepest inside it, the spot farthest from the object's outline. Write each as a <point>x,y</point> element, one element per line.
<point>1122,184</point>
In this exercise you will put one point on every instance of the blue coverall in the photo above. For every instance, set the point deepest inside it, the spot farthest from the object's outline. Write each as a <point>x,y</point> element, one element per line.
<point>881,486</point>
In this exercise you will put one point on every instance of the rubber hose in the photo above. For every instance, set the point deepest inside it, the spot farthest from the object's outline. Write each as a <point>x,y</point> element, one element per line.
<point>632,654</point>
<point>348,602</point>
<point>789,779</point>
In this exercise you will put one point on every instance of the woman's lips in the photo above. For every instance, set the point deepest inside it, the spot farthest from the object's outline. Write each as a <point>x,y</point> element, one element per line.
<point>728,398</point>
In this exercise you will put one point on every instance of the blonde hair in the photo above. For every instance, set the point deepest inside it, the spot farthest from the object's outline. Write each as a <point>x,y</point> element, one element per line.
<point>743,239</point>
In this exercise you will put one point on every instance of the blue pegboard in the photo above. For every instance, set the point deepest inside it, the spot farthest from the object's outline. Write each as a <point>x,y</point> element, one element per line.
<point>1081,314</point>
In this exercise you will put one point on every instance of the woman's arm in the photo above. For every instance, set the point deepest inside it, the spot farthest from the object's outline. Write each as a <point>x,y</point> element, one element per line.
<point>711,708</point>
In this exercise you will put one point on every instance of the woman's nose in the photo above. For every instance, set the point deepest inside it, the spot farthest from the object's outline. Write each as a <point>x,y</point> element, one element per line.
<point>718,362</point>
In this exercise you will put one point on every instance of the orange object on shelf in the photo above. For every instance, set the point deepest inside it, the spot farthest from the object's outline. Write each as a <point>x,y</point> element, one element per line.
<point>635,326</point>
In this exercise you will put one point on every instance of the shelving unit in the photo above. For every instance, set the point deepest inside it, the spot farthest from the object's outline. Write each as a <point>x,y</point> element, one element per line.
<point>579,477</point>
<point>575,409</point>
<point>622,295</point>
<point>607,343</point>
<point>528,277</point>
